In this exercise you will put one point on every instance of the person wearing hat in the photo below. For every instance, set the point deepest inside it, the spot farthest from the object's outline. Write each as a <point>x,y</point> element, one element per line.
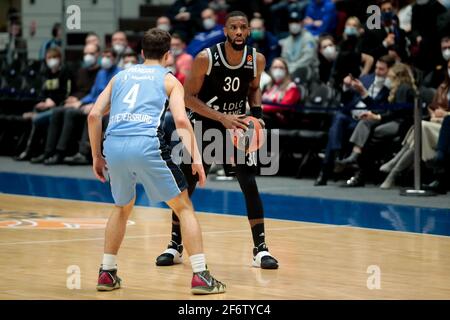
<point>299,49</point>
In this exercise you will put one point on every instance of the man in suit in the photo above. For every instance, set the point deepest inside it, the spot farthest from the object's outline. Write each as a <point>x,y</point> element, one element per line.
<point>345,120</point>
<point>389,38</point>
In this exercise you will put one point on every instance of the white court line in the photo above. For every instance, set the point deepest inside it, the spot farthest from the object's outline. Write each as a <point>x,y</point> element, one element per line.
<point>166,235</point>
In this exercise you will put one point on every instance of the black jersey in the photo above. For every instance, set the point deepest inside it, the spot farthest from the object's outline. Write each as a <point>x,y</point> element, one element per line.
<point>225,87</point>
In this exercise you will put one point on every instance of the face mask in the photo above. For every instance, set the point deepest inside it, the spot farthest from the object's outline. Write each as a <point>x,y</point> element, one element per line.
<point>380,80</point>
<point>387,16</point>
<point>106,63</point>
<point>53,63</point>
<point>351,31</point>
<point>235,46</point>
<point>448,71</point>
<point>446,54</point>
<point>176,52</point>
<point>118,48</point>
<point>209,23</point>
<point>388,83</point>
<point>278,74</point>
<point>257,34</point>
<point>421,2</point>
<point>128,65</point>
<point>295,28</point>
<point>164,27</point>
<point>89,60</point>
<point>172,69</point>
<point>329,53</point>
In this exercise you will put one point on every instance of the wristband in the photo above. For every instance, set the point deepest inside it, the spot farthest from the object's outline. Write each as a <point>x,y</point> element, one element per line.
<point>256,112</point>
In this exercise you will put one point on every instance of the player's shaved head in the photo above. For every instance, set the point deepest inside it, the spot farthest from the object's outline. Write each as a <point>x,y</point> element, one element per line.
<point>234,14</point>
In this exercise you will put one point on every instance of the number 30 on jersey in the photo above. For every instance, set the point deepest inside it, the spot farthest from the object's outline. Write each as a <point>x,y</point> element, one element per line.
<point>232,84</point>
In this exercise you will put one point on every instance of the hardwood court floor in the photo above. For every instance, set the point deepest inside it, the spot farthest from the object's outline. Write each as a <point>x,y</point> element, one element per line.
<point>317,261</point>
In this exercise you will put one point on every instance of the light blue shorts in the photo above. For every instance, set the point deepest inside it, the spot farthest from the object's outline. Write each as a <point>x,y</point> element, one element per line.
<point>143,159</point>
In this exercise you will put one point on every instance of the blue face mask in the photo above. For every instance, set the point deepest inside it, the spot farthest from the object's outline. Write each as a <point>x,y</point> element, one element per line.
<point>351,31</point>
<point>387,16</point>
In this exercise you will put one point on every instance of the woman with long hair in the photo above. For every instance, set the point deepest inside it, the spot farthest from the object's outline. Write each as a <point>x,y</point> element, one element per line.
<point>438,109</point>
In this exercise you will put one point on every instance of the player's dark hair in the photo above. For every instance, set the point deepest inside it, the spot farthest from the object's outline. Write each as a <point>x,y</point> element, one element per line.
<point>155,43</point>
<point>235,14</point>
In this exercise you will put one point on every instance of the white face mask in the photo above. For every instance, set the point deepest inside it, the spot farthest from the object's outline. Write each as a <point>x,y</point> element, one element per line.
<point>176,52</point>
<point>278,74</point>
<point>388,83</point>
<point>119,48</point>
<point>164,27</point>
<point>106,63</point>
<point>128,65</point>
<point>446,54</point>
<point>209,23</point>
<point>295,28</point>
<point>380,80</point>
<point>89,60</point>
<point>329,53</point>
<point>422,1</point>
<point>53,63</point>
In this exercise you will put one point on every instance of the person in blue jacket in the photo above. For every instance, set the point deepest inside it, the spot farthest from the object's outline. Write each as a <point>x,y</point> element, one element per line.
<point>321,17</point>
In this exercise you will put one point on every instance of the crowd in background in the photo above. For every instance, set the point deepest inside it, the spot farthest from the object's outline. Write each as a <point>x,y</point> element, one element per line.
<point>334,85</point>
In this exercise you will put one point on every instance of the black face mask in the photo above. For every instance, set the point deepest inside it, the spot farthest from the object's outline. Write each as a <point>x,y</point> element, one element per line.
<point>237,47</point>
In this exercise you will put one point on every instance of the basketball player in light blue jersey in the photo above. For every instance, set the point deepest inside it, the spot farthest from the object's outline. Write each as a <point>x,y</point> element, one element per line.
<point>134,151</point>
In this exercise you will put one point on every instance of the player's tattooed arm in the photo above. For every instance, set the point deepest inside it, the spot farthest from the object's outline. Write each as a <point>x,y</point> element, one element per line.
<point>192,87</point>
<point>101,107</point>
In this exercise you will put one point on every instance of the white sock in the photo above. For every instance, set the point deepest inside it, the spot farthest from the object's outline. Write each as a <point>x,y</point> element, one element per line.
<point>109,262</point>
<point>198,262</point>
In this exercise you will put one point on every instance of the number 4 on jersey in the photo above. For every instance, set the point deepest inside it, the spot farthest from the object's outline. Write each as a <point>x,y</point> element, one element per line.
<point>131,96</point>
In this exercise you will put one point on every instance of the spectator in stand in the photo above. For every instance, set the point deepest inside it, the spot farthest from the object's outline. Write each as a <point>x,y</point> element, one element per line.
<point>378,42</point>
<point>282,91</point>
<point>57,86</point>
<point>182,60</point>
<point>346,119</point>
<point>129,60</point>
<point>388,124</point>
<point>327,57</point>
<point>438,109</point>
<point>85,78</point>
<point>350,58</point>
<point>213,33</point>
<point>185,16</point>
<point>437,76</point>
<point>405,15</point>
<point>264,41</point>
<point>279,12</point>
<point>74,119</point>
<point>16,48</point>
<point>321,17</point>
<point>119,44</point>
<point>424,33</point>
<point>54,42</point>
<point>92,38</point>
<point>164,24</point>
<point>299,49</point>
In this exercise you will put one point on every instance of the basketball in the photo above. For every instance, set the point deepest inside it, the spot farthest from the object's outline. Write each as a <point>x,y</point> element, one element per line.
<point>250,140</point>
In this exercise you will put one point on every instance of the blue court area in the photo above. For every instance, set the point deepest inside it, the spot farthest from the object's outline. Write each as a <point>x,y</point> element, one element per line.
<point>297,208</point>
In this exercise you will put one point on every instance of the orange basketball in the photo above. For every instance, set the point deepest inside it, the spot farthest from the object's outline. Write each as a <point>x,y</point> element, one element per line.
<point>250,140</point>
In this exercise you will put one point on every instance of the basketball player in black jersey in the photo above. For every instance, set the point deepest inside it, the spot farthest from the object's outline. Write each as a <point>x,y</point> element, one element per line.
<point>223,77</point>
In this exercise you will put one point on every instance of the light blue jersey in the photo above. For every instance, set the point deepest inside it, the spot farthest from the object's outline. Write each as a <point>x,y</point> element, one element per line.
<point>138,101</point>
<point>134,147</point>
